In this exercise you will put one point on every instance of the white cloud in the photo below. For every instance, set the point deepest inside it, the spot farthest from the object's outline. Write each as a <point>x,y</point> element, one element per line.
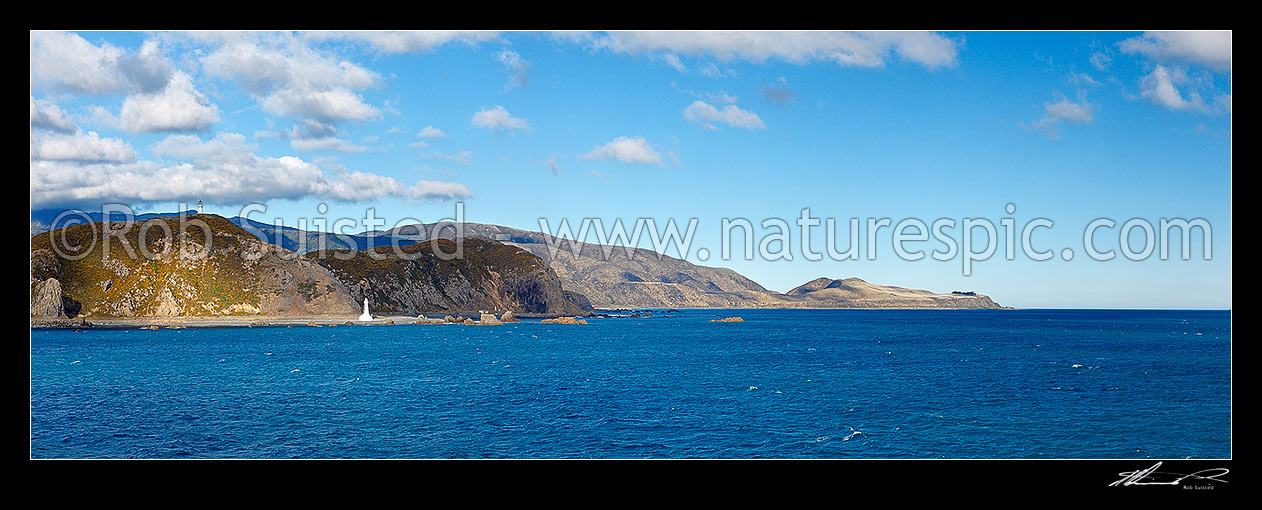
<point>1060,112</point>
<point>67,62</point>
<point>1101,61</point>
<point>397,41</point>
<point>263,63</point>
<point>518,69</point>
<point>223,149</point>
<point>706,115</point>
<point>325,105</point>
<point>221,170</point>
<point>1161,86</point>
<point>288,77</point>
<point>865,49</point>
<point>177,107</point>
<point>499,120</point>
<point>627,150</point>
<point>84,148</point>
<point>160,98</point>
<point>1211,49</point>
<point>46,115</point>
<point>148,69</point>
<point>552,165</point>
<point>673,61</point>
<point>431,132</point>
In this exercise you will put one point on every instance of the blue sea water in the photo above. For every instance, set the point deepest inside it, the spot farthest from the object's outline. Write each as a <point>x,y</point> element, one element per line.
<point>782,384</point>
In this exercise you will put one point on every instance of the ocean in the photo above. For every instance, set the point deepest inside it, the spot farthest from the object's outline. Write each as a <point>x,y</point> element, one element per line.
<point>784,384</point>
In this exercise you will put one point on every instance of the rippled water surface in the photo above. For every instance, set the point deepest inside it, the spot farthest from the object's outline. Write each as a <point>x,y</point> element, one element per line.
<point>782,384</point>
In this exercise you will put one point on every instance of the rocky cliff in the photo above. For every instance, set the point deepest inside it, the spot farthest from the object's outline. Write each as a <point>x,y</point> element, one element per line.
<point>489,276</point>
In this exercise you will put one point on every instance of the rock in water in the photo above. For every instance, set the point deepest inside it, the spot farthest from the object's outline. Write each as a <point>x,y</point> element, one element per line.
<point>508,317</point>
<point>728,319</point>
<point>563,320</point>
<point>488,319</point>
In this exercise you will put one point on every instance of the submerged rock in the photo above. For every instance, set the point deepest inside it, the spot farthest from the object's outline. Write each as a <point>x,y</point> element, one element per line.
<point>728,319</point>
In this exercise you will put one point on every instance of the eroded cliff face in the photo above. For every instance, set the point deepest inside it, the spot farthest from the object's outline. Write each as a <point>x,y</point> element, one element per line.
<point>48,301</point>
<point>489,276</point>
<point>180,273</point>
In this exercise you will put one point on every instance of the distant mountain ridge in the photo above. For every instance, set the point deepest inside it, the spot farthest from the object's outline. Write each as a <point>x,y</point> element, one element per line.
<point>646,279</point>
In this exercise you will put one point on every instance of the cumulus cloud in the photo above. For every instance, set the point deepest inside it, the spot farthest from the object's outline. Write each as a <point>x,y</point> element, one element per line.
<point>221,170</point>
<point>159,98</point>
<point>177,107</point>
<point>46,115</point>
<point>627,150</point>
<point>706,115</point>
<point>1060,112</point>
<point>400,41</point>
<point>325,105</point>
<point>499,120</point>
<point>85,148</point>
<point>1211,49</point>
<point>148,69</point>
<point>431,132</point>
<point>518,69</point>
<point>864,49</point>
<point>1161,86</point>
<point>288,77</point>
<point>66,62</point>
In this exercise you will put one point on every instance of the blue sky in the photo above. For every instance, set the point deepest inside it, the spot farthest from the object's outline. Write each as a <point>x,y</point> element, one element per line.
<point>1069,126</point>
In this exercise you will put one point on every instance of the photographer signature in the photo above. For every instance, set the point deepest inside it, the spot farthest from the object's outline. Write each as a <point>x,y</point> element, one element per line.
<point>1151,476</point>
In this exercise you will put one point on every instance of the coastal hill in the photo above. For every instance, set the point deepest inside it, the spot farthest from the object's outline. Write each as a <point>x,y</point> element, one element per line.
<point>856,293</point>
<point>242,275</point>
<point>239,275</point>
<point>488,276</point>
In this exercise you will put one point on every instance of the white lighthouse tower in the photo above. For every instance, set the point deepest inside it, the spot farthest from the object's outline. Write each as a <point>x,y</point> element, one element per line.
<point>199,207</point>
<point>365,316</point>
